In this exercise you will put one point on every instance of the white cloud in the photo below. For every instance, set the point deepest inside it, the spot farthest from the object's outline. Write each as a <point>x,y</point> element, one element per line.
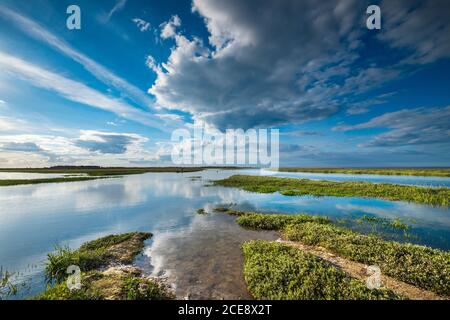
<point>142,24</point>
<point>90,147</point>
<point>169,29</point>
<point>74,91</point>
<point>119,5</point>
<point>2,101</point>
<point>8,124</point>
<point>261,71</point>
<point>152,64</point>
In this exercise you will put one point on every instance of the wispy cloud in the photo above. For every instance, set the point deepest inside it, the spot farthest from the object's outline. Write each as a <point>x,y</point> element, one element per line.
<point>407,127</point>
<point>142,24</point>
<point>8,124</point>
<point>120,4</point>
<point>73,90</point>
<point>36,31</point>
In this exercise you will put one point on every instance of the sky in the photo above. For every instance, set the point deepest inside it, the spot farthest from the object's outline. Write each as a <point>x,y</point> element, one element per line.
<point>112,92</point>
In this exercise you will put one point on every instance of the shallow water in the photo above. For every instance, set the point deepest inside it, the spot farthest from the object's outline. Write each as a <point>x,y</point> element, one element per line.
<point>200,254</point>
<point>406,180</point>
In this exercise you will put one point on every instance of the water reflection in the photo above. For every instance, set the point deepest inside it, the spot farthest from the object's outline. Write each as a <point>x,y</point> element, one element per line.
<point>200,254</point>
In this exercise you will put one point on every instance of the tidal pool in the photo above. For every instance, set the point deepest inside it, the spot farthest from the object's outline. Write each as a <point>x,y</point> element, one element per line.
<point>199,254</point>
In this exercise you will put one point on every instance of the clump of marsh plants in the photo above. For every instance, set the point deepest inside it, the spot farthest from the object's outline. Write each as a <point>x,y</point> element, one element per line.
<point>95,254</point>
<point>7,287</point>
<point>280,272</point>
<point>421,266</point>
<point>201,211</point>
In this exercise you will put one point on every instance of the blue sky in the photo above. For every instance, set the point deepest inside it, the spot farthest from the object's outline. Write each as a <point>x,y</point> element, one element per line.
<point>112,92</point>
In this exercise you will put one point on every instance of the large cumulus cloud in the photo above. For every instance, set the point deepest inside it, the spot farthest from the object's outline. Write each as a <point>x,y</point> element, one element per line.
<point>273,62</point>
<point>263,65</point>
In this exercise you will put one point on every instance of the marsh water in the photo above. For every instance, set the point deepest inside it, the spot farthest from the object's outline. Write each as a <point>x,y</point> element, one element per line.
<point>198,254</point>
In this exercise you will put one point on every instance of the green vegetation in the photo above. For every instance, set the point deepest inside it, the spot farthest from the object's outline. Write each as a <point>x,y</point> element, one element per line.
<point>142,289</point>
<point>397,223</point>
<point>114,283</point>
<point>119,284</point>
<point>7,288</point>
<point>281,272</point>
<point>421,266</point>
<point>434,172</point>
<point>201,211</point>
<point>101,171</point>
<point>299,187</point>
<point>90,173</point>
<point>7,183</point>
<point>258,221</point>
<point>417,265</point>
<point>95,254</point>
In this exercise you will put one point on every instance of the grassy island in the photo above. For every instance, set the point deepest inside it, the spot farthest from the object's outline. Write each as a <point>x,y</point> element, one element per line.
<point>299,187</point>
<point>417,265</point>
<point>106,273</point>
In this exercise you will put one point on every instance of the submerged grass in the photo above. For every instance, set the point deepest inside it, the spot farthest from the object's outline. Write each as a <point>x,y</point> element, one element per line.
<point>417,265</point>
<point>299,187</point>
<point>430,172</point>
<point>280,272</point>
<point>396,223</point>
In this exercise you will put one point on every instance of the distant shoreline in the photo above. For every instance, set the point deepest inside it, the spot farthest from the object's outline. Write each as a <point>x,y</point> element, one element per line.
<point>423,172</point>
<point>91,173</point>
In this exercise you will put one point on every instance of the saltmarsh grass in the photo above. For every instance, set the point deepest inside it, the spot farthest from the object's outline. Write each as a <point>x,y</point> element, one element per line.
<point>421,266</point>
<point>91,255</point>
<point>298,187</point>
<point>97,286</point>
<point>257,221</point>
<point>8,183</point>
<point>280,272</point>
<point>417,265</point>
